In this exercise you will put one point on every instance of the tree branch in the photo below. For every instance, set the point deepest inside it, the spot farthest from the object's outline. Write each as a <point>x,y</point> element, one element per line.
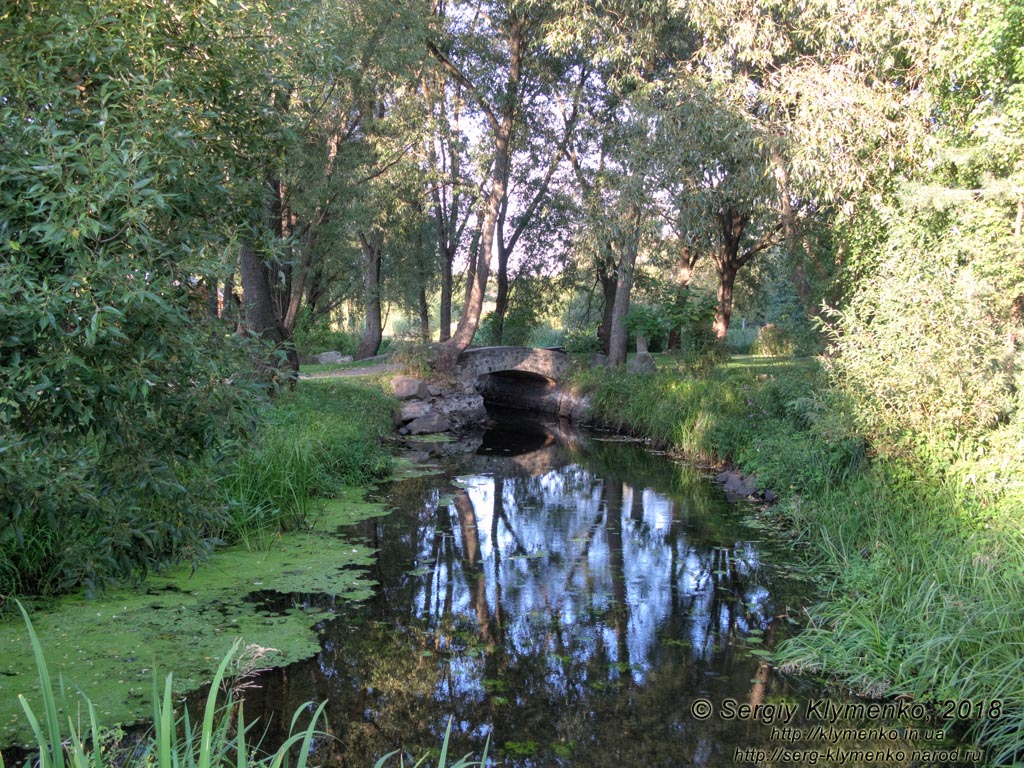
<point>466,83</point>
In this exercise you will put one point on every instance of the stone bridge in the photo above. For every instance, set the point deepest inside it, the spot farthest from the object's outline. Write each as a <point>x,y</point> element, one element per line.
<point>519,377</point>
<point>550,364</point>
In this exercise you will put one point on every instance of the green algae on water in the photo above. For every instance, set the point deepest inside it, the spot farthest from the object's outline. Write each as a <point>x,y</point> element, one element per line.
<point>184,622</point>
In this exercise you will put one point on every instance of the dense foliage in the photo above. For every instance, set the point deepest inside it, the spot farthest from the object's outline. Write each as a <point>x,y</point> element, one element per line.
<point>118,135</point>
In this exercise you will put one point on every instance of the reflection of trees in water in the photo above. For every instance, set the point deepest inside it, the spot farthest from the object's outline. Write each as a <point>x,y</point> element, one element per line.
<point>550,605</point>
<point>573,583</point>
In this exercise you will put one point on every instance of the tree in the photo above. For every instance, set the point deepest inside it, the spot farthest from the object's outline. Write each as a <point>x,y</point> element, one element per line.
<point>119,154</point>
<point>340,70</point>
<point>493,55</point>
<point>929,332</point>
<point>628,46</point>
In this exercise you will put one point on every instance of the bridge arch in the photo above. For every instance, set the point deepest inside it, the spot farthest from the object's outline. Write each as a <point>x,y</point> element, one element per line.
<point>551,364</point>
<point>517,377</point>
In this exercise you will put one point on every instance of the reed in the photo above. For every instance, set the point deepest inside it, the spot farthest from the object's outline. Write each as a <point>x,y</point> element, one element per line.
<point>222,739</point>
<point>325,434</point>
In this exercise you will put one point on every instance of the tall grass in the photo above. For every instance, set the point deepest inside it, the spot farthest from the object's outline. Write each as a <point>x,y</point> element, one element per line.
<point>924,559</point>
<point>325,434</point>
<point>222,739</point>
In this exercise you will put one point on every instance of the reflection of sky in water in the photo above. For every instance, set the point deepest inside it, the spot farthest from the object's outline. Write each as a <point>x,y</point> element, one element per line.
<point>574,569</point>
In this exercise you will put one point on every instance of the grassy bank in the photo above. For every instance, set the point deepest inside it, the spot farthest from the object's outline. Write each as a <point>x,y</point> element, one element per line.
<point>923,552</point>
<point>282,495</point>
<point>325,434</point>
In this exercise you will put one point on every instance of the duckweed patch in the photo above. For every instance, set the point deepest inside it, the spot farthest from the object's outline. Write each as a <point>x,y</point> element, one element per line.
<point>186,621</point>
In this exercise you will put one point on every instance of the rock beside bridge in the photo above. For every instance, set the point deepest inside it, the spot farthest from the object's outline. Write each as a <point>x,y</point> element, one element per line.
<point>430,409</point>
<point>429,424</point>
<point>408,387</point>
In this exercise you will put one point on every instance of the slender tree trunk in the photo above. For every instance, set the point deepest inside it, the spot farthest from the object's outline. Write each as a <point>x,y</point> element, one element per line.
<point>789,234</point>
<point>501,119</point>
<point>618,342</point>
<point>373,332</point>
<point>608,283</point>
<point>729,261</point>
<point>445,320</point>
<point>424,315</point>
<point>469,321</point>
<point>260,316</point>
<point>500,295</point>
<point>726,281</point>
<point>687,261</point>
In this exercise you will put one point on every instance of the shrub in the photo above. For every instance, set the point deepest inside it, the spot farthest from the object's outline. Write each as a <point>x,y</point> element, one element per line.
<point>111,377</point>
<point>582,341</point>
<point>772,341</point>
<point>924,342</point>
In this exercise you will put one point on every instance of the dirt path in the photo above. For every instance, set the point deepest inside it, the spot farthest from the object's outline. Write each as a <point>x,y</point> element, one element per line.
<point>375,368</point>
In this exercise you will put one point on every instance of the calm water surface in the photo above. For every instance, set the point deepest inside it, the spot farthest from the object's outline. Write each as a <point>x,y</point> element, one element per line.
<point>569,599</point>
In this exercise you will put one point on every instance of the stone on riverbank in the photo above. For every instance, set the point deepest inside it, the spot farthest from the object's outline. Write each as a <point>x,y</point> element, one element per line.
<point>409,387</point>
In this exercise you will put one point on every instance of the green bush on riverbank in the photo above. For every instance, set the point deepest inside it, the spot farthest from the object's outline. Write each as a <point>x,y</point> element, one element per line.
<point>925,553</point>
<point>70,526</point>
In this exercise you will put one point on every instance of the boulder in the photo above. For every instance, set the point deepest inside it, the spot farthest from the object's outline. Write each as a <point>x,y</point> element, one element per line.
<point>330,358</point>
<point>413,409</point>
<point>737,485</point>
<point>428,425</point>
<point>463,408</point>
<point>643,362</point>
<point>408,387</point>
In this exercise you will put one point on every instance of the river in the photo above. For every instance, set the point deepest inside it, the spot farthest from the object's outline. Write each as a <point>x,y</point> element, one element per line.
<point>571,600</point>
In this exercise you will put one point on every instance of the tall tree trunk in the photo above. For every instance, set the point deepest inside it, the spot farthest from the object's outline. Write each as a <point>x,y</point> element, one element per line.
<point>373,332</point>
<point>687,261</point>
<point>501,118</point>
<point>477,287</point>
<point>500,295</point>
<point>607,275</point>
<point>618,342</point>
<point>424,315</point>
<point>801,284</point>
<point>726,281</point>
<point>445,315</point>
<point>727,264</point>
<point>261,319</point>
<point>728,260</point>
